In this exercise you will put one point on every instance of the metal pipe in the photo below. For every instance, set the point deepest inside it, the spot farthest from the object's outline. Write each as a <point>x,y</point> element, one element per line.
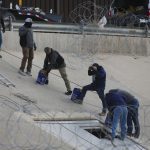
<point>76,29</point>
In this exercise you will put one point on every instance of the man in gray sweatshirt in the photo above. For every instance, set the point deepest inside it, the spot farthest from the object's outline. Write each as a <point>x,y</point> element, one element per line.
<point>28,46</point>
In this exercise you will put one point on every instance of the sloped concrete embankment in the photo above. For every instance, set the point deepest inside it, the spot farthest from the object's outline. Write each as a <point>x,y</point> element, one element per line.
<point>19,132</point>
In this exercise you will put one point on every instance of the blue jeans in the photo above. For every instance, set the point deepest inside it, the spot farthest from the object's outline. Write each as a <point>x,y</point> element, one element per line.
<point>119,114</point>
<point>0,39</point>
<point>100,93</point>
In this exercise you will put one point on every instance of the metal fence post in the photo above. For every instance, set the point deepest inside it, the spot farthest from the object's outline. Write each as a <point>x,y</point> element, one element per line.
<point>10,23</point>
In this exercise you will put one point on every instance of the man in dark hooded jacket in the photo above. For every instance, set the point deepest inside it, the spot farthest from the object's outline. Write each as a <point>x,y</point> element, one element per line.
<point>54,60</point>
<point>132,117</point>
<point>98,84</point>
<point>28,46</point>
<point>117,107</point>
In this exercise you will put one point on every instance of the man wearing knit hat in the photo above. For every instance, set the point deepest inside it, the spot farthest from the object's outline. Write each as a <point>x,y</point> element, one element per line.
<point>54,60</point>
<point>28,46</point>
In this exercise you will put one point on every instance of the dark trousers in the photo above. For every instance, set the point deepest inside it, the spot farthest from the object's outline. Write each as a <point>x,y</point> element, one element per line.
<point>28,54</point>
<point>132,119</point>
<point>100,93</point>
<point>0,39</point>
<point>64,76</point>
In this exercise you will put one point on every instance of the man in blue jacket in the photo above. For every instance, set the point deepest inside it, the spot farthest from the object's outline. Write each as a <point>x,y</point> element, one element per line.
<point>132,118</point>
<point>99,78</point>
<point>117,107</point>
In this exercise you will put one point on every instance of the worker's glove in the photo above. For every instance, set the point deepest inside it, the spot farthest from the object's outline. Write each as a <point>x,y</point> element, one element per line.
<point>91,71</point>
<point>44,71</point>
<point>3,30</point>
<point>35,47</point>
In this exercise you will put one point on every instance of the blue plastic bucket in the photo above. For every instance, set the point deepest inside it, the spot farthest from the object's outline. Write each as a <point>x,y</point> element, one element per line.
<point>42,78</point>
<point>76,94</point>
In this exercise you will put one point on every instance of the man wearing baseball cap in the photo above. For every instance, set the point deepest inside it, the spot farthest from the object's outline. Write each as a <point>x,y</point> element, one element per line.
<point>28,46</point>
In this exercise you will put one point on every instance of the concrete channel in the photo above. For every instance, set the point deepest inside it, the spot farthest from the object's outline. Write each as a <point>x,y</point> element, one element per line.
<point>69,134</point>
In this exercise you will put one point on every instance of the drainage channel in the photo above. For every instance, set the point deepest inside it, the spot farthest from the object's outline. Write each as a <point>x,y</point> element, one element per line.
<point>85,134</point>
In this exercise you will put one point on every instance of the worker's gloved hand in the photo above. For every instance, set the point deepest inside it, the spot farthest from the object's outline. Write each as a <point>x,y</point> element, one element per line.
<point>35,47</point>
<point>3,30</point>
<point>44,71</point>
<point>47,81</point>
<point>91,71</point>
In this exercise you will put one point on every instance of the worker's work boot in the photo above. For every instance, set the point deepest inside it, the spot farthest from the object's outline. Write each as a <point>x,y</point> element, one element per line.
<point>68,93</point>
<point>21,72</point>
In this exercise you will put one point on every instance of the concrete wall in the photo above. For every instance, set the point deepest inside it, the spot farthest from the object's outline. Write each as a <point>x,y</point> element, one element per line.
<point>82,43</point>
